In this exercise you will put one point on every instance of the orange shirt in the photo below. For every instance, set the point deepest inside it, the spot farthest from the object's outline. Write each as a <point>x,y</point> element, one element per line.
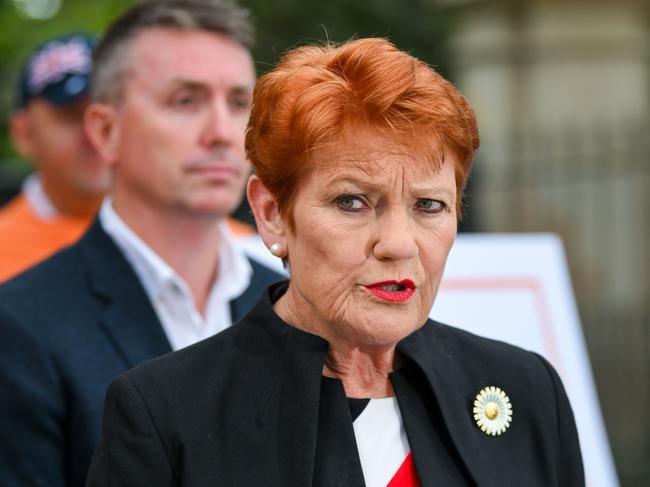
<point>26,239</point>
<point>240,229</point>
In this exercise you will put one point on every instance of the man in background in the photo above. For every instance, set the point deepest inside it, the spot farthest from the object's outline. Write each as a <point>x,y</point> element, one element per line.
<point>59,200</point>
<point>160,269</point>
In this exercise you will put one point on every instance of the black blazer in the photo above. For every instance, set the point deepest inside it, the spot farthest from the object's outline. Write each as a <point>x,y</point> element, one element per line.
<point>67,328</point>
<point>241,409</point>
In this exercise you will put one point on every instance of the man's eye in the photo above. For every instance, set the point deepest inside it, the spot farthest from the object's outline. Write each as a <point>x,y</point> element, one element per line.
<point>184,101</point>
<point>430,206</point>
<point>241,103</point>
<point>350,203</point>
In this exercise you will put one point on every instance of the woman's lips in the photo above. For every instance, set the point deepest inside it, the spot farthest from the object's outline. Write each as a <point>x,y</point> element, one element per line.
<point>396,291</point>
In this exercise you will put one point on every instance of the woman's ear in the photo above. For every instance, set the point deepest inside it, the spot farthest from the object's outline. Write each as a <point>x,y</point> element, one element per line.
<point>102,129</point>
<point>265,208</point>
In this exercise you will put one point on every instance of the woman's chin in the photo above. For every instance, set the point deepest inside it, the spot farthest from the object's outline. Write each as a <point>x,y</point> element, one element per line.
<point>384,330</point>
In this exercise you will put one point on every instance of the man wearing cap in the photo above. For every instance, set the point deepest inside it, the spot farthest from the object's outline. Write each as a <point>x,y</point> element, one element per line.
<point>57,201</point>
<point>160,268</point>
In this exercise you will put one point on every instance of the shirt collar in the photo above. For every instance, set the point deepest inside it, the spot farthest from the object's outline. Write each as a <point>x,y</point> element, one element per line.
<point>234,268</point>
<point>39,202</point>
<point>155,274</point>
<point>152,270</point>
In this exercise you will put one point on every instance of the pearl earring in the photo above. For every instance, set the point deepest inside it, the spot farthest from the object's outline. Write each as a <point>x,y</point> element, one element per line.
<point>277,249</point>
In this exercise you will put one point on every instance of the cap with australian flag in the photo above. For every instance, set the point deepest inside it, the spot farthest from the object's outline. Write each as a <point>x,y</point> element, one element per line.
<point>58,70</point>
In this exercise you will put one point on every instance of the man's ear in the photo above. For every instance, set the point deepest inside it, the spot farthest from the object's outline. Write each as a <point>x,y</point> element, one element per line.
<point>265,208</point>
<point>20,130</point>
<point>102,129</point>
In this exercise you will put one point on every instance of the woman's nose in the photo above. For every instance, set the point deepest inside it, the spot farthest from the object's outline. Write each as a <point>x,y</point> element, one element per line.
<point>395,236</point>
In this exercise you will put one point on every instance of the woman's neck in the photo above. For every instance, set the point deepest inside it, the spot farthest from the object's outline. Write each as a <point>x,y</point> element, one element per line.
<point>363,370</point>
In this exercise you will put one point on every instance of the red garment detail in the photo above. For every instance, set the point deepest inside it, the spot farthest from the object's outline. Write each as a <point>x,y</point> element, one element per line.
<point>406,476</point>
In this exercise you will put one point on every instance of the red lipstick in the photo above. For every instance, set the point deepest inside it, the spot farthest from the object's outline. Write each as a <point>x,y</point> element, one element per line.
<point>395,291</point>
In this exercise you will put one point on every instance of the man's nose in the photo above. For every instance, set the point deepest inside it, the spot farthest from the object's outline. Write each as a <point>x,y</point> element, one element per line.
<point>219,127</point>
<point>395,235</point>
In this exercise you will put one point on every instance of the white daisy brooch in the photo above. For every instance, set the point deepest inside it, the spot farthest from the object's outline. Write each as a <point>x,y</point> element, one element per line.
<point>492,411</point>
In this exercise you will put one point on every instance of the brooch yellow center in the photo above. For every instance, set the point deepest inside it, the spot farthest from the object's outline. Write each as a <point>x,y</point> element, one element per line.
<point>491,410</point>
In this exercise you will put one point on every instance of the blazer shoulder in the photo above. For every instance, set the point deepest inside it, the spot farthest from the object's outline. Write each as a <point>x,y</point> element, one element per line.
<point>65,291</point>
<point>64,270</point>
<point>210,379</point>
<point>242,345</point>
<point>480,358</point>
<point>461,342</point>
<point>56,274</point>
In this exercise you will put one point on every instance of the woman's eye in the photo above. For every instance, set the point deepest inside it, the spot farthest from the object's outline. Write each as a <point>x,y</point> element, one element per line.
<point>430,206</point>
<point>350,203</point>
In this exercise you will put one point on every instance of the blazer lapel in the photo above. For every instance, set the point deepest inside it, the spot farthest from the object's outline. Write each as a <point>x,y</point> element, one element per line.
<point>337,459</point>
<point>128,319</point>
<point>454,394</point>
<point>296,363</point>
<point>298,413</point>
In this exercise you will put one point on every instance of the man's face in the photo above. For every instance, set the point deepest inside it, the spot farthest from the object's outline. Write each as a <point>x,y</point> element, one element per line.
<point>53,138</point>
<point>180,127</point>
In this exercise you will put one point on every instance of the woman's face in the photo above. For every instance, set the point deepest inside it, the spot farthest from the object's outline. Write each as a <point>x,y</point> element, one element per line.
<point>373,227</point>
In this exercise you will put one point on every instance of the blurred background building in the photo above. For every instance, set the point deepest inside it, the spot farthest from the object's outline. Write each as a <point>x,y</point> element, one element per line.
<point>562,92</point>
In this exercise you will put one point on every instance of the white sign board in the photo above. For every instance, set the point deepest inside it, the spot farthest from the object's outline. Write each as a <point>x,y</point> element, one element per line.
<point>516,288</point>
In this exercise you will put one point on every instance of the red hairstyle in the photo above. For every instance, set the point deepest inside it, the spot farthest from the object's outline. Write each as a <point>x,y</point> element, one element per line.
<point>318,95</point>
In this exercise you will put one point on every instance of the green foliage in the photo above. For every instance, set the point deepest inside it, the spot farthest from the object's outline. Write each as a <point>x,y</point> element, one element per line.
<point>416,26</point>
<point>19,35</point>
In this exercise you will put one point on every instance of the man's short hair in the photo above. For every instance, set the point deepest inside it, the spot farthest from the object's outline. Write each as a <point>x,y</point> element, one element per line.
<point>112,59</point>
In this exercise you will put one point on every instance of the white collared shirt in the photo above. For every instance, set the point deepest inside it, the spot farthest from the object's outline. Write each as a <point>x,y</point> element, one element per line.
<point>37,199</point>
<point>169,294</point>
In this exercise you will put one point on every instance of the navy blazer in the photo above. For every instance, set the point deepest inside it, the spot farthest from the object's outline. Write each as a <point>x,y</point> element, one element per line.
<point>67,328</point>
<point>241,409</point>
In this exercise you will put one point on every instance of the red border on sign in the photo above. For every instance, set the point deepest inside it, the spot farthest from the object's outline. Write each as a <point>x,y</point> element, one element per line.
<point>530,284</point>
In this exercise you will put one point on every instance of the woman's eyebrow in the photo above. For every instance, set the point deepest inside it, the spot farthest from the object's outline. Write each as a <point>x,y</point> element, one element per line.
<point>363,184</point>
<point>432,189</point>
<point>368,185</point>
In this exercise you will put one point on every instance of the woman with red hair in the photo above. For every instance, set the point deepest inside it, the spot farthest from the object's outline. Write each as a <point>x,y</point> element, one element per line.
<point>337,377</point>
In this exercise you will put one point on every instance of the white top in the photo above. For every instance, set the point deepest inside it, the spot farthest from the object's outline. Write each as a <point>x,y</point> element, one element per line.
<point>37,199</point>
<point>170,295</point>
<point>381,441</point>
